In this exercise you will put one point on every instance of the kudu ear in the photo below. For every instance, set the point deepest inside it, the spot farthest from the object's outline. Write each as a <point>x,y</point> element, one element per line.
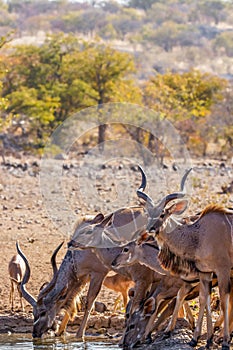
<point>178,208</point>
<point>149,306</point>
<point>106,220</point>
<point>131,293</point>
<point>143,237</point>
<point>98,218</point>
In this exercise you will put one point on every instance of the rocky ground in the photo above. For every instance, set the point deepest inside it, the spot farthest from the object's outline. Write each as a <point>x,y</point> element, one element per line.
<point>88,187</point>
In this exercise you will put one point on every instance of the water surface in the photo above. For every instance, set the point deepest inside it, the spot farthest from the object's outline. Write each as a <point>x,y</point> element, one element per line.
<point>25,342</point>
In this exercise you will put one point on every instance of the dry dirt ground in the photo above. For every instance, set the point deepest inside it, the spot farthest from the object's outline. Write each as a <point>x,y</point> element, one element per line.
<point>25,218</point>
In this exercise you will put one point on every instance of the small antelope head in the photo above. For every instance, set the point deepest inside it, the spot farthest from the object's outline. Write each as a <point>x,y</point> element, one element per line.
<point>126,257</point>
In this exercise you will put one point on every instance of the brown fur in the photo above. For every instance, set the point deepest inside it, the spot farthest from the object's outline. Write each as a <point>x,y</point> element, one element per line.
<point>125,216</point>
<point>83,219</point>
<point>214,208</point>
<point>173,263</point>
<point>16,269</point>
<point>120,284</point>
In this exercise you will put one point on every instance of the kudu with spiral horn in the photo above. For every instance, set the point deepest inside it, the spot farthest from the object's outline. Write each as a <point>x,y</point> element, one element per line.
<point>38,312</point>
<point>154,210</point>
<point>205,246</point>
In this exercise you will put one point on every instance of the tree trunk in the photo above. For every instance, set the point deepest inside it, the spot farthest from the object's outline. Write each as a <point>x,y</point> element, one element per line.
<point>101,136</point>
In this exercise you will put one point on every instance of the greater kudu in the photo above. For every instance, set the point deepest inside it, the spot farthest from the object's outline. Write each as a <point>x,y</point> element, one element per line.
<point>76,269</point>
<point>78,266</point>
<point>126,223</point>
<point>204,247</point>
<point>170,287</point>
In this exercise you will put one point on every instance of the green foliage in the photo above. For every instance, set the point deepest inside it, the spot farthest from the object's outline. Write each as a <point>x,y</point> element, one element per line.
<point>142,4</point>
<point>183,96</point>
<point>224,41</point>
<point>186,99</point>
<point>213,9</point>
<point>50,82</point>
<point>43,84</point>
<point>88,22</point>
<point>6,38</point>
<point>103,68</point>
<point>167,35</point>
<point>163,11</point>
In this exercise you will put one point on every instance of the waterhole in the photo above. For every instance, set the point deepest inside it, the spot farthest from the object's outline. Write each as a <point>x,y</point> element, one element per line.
<point>25,342</point>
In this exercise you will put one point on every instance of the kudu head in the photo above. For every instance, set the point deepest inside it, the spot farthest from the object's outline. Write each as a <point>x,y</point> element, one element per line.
<point>136,325</point>
<point>157,212</point>
<point>88,231</point>
<point>126,257</point>
<point>43,319</point>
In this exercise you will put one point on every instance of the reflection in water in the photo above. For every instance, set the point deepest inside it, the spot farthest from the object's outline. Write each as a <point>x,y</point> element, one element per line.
<point>25,342</point>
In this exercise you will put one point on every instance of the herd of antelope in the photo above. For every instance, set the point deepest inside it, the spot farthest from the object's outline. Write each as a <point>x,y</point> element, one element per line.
<point>161,258</point>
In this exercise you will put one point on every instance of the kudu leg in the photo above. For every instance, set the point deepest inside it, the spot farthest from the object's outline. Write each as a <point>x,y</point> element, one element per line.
<point>63,324</point>
<point>21,302</point>
<point>220,319</point>
<point>231,310</point>
<point>182,293</point>
<point>93,291</point>
<point>69,315</point>
<point>189,314</point>
<point>151,321</point>
<point>181,312</point>
<point>141,289</point>
<point>209,323</point>
<point>125,298</point>
<point>12,295</point>
<point>160,298</point>
<point>117,301</point>
<point>166,310</point>
<point>204,303</point>
<point>224,286</point>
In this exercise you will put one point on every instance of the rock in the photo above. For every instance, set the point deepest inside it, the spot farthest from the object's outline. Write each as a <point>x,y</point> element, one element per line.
<point>100,307</point>
<point>98,322</point>
<point>117,322</point>
<point>227,188</point>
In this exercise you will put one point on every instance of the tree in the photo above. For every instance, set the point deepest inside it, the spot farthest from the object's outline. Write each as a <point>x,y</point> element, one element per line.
<point>220,126</point>
<point>128,22</point>
<point>44,85</point>
<point>105,72</point>
<point>167,35</point>
<point>185,99</point>
<point>111,6</point>
<point>142,4</point>
<point>6,38</point>
<point>224,41</point>
<point>33,84</point>
<point>167,11</point>
<point>213,9</point>
<point>5,119</point>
